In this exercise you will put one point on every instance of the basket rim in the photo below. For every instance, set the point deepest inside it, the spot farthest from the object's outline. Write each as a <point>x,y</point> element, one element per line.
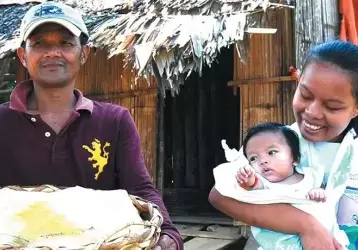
<point>152,226</point>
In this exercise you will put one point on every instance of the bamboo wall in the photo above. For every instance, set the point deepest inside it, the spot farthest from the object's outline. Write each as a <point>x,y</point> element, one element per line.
<point>105,80</point>
<point>270,55</point>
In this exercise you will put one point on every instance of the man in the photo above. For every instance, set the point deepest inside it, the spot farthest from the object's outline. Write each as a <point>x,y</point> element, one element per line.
<point>51,134</point>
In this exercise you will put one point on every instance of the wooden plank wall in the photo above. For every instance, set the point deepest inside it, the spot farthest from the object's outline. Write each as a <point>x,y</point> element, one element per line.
<point>105,80</point>
<point>317,21</point>
<point>268,56</point>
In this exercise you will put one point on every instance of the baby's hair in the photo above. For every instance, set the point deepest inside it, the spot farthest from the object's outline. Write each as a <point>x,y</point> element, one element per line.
<point>290,136</point>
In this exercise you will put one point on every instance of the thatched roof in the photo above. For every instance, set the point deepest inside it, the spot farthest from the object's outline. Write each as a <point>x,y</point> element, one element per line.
<point>167,38</point>
<point>178,36</point>
<point>82,5</point>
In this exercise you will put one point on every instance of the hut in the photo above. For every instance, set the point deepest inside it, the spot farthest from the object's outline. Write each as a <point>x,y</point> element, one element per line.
<point>220,67</point>
<point>191,73</point>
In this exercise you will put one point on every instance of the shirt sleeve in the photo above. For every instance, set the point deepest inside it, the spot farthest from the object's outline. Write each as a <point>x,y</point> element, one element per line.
<point>133,175</point>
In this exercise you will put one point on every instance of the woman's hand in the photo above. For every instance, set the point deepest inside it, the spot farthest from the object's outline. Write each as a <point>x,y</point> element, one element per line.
<point>165,243</point>
<point>316,237</point>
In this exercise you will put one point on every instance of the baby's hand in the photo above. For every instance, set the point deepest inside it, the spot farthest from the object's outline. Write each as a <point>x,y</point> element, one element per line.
<point>245,176</point>
<point>317,194</point>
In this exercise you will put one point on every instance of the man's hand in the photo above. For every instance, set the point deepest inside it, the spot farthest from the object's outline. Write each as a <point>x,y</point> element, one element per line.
<point>245,176</point>
<point>165,243</point>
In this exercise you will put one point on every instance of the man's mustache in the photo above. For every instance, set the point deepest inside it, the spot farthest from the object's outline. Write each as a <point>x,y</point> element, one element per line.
<point>52,62</point>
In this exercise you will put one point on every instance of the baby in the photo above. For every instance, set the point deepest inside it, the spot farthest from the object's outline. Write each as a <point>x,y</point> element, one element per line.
<point>273,150</point>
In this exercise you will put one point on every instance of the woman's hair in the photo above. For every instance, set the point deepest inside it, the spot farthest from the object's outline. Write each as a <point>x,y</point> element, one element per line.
<point>343,55</point>
<point>290,136</point>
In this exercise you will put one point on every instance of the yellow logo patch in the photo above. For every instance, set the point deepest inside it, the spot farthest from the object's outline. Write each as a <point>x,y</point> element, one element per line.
<point>99,155</point>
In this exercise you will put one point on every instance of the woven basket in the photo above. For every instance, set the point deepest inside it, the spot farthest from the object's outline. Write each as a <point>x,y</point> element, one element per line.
<point>123,238</point>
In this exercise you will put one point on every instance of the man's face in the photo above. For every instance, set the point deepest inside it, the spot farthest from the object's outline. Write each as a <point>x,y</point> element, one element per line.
<point>53,56</point>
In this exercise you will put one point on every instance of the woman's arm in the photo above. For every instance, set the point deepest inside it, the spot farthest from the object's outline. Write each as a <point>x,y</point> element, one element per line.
<point>277,217</point>
<point>264,216</point>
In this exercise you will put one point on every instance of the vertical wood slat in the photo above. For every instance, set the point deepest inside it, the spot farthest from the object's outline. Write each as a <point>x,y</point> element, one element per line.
<point>106,77</point>
<point>316,21</point>
<point>268,56</point>
<point>161,141</point>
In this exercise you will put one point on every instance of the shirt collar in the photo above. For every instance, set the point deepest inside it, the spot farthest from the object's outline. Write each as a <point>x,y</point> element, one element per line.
<point>19,96</point>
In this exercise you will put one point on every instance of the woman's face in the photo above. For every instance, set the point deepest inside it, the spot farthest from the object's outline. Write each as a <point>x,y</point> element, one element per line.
<point>323,103</point>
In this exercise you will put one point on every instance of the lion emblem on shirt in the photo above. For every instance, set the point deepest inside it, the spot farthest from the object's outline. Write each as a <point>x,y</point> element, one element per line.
<point>99,155</point>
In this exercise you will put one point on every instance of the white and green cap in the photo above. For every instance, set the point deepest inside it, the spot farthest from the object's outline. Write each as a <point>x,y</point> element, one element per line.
<point>52,12</point>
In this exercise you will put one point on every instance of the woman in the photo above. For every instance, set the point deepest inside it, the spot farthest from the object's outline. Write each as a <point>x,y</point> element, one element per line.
<point>325,107</point>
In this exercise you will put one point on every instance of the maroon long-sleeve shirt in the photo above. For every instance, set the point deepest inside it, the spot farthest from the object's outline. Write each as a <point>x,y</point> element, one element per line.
<point>99,136</point>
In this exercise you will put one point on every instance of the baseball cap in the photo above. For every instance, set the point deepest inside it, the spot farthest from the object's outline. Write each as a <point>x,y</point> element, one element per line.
<point>52,12</point>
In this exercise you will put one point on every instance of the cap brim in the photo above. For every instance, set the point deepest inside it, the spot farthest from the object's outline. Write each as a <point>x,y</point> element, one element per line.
<point>66,24</point>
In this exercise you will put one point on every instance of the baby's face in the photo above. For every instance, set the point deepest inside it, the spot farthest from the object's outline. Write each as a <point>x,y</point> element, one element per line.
<point>270,155</point>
